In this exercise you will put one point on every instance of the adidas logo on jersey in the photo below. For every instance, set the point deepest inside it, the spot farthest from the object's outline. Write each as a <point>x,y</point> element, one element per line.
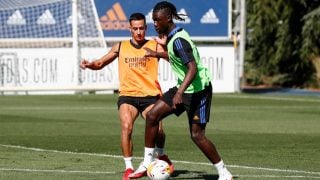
<point>114,19</point>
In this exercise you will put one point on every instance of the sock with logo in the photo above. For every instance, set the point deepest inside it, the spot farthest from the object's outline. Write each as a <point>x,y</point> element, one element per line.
<point>148,156</point>
<point>221,168</point>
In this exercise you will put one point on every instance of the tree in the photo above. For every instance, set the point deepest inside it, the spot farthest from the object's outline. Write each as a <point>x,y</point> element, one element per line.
<point>279,42</point>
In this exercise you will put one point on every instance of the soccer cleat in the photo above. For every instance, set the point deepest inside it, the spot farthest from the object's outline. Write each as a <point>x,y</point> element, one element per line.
<point>126,174</point>
<point>140,172</point>
<point>225,176</point>
<point>166,159</point>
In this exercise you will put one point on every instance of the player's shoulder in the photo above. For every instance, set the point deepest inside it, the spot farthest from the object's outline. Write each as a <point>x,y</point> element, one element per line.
<point>121,44</point>
<point>116,48</point>
<point>151,41</point>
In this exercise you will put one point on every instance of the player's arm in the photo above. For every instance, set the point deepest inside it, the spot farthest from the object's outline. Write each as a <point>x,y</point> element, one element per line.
<point>162,52</point>
<point>162,46</point>
<point>159,53</point>
<point>183,49</point>
<point>103,61</point>
<point>192,70</point>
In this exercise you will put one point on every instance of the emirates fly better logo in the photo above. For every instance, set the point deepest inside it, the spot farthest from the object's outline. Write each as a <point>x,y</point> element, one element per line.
<point>114,19</point>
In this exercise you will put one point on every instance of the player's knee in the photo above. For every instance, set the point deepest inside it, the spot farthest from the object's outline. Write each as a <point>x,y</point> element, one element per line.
<point>127,128</point>
<point>196,136</point>
<point>152,118</point>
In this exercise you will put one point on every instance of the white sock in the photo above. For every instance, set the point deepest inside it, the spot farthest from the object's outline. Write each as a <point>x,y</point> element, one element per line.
<point>128,162</point>
<point>148,156</point>
<point>221,168</point>
<point>159,151</point>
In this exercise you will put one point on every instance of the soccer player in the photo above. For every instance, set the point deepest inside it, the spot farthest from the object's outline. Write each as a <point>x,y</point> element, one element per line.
<point>192,94</point>
<point>139,88</point>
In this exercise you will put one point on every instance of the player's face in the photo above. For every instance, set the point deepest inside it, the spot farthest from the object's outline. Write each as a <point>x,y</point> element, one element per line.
<point>161,21</point>
<point>138,30</point>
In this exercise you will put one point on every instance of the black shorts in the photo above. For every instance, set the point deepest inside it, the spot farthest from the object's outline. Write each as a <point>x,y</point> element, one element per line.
<point>141,103</point>
<point>197,105</point>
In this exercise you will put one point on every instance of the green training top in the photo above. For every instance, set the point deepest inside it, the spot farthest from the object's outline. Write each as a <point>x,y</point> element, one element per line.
<point>202,77</point>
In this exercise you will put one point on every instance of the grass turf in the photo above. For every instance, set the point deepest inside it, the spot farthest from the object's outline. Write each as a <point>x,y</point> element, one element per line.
<point>78,137</point>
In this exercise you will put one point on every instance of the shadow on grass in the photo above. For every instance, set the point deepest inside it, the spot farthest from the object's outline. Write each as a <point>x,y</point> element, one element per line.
<point>195,175</point>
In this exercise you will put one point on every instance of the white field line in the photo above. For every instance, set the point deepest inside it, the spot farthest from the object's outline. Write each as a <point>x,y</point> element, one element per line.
<point>276,176</point>
<point>274,169</point>
<point>56,171</point>
<point>251,167</point>
<point>55,151</point>
<point>182,162</point>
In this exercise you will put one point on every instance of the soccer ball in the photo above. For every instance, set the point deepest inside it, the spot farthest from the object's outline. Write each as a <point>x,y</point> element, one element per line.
<point>158,170</point>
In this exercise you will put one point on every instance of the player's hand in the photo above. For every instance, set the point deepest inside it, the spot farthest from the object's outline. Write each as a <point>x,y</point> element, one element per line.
<point>177,99</point>
<point>84,64</point>
<point>149,52</point>
<point>161,39</point>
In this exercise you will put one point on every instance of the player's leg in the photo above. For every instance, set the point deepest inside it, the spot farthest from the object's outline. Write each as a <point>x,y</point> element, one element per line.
<point>160,142</point>
<point>209,150</point>
<point>160,139</point>
<point>159,110</point>
<point>198,110</point>
<point>199,115</point>
<point>205,145</point>
<point>127,115</point>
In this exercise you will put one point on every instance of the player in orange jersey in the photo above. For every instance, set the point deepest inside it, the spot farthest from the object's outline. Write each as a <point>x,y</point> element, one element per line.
<point>139,87</point>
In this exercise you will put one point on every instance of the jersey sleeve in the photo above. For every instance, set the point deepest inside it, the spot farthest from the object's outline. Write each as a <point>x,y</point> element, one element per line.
<point>183,49</point>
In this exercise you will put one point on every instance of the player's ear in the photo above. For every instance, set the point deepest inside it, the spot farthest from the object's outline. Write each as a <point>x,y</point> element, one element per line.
<point>129,27</point>
<point>169,18</point>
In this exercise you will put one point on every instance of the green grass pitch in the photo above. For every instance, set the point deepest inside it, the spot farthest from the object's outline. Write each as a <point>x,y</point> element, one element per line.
<point>78,137</point>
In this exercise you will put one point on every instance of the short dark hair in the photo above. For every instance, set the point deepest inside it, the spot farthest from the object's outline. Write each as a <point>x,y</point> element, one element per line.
<point>170,9</point>
<point>137,16</point>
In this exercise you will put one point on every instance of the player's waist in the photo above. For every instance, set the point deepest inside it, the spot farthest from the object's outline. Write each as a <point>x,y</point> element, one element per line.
<point>139,93</point>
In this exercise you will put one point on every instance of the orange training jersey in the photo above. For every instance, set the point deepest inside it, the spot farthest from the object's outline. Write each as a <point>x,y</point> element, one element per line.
<point>138,75</point>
